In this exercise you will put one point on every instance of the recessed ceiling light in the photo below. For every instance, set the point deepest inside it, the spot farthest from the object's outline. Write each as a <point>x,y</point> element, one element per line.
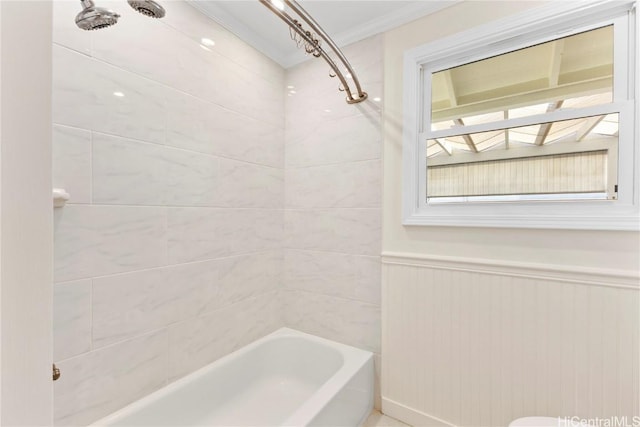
<point>292,92</point>
<point>118,94</point>
<point>377,99</point>
<point>207,42</point>
<point>327,111</point>
<point>290,87</point>
<point>278,3</point>
<point>205,48</point>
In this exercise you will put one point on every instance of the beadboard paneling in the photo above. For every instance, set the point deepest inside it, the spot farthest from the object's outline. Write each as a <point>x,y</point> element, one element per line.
<point>470,343</point>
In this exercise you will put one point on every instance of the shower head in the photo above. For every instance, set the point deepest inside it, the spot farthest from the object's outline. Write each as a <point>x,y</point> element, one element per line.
<point>95,18</point>
<point>147,7</point>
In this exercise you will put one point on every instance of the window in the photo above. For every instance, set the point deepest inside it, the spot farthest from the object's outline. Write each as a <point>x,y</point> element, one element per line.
<point>528,122</point>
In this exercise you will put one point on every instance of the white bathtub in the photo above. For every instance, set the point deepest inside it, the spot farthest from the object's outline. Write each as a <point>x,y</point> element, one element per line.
<point>287,378</point>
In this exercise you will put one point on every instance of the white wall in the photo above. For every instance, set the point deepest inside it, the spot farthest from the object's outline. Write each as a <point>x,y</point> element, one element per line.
<point>332,201</point>
<point>606,249</point>
<point>26,207</point>
<point>484,325</point>
<point>168,255</point>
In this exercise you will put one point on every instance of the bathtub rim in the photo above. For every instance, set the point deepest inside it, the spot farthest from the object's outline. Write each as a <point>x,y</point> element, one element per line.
<point>353,359</point>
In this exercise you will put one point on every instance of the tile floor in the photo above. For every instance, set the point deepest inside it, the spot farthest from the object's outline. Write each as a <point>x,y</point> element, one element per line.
<point>376,419</point>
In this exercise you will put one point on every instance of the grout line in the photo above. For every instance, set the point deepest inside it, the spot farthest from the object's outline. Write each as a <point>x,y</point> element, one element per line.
<point>142,270</point>
<point>166,239</point>
<point>330,252</point>
<point>91,322</point>
<point>168,355</point>
<point>330,295</point>
<point>319,165</point>
<point>325,208</point>
<point>209,207</point>
<point>315,209</point>
<point>95,350</point>
<point>350,162</point>
<point>91,189</point>
<point>116,205</point>
<point>322,122</point>
<point>319,251</point>
<point>166,327</point>
<point>169,147</point>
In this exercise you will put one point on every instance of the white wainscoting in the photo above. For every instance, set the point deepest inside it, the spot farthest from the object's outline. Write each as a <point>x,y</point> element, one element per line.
<point>480,343</point>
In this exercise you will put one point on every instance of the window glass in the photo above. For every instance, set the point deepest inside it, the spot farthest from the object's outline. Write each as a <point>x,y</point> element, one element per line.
<point>575,158</point>
<point>567,73</point>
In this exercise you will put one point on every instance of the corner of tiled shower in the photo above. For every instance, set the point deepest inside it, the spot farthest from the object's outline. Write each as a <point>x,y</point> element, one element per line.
<point>215,197</point>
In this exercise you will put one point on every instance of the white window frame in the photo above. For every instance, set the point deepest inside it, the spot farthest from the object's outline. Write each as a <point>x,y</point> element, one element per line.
<point>559,19</point>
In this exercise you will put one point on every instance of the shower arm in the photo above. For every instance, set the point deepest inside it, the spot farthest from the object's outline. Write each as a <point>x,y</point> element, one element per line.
<point>315,27</point>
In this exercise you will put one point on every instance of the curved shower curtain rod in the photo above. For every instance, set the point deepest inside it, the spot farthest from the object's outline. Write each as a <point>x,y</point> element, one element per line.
<point>313,45</point>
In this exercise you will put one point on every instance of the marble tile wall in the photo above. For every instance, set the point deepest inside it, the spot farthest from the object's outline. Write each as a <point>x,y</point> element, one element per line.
<point>169,254</point>
<point>332,220</point>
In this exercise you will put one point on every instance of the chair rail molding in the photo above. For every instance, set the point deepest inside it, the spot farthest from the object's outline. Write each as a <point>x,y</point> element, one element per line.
<point>558,273</point>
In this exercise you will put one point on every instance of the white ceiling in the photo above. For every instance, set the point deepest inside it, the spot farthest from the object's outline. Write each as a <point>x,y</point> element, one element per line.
<point>344,21</point>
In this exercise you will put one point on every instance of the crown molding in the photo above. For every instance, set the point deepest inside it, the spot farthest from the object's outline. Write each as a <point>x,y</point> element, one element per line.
<point>356,33</point>
<point>370,28</point>
<point>384,23</point>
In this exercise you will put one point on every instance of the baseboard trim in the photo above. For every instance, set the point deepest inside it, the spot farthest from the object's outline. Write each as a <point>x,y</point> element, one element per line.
<point>580,275</point>
<point>411,416</point>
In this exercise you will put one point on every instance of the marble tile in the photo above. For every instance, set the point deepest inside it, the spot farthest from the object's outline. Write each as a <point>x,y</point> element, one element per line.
<point>246,185</point>
<point>250,95</point>
<point>131,304</point>
<point>185,18</point>
<point>347,321</point>
<point>170,57</point>
<point>353,231</point>
<point>345,185</point>
<point>65,30</point>
<point>341,275</point>
<point>253,60</point>
<point>201,279</point>
<point>308,112</point>
<point>259,230</point>
<point>349,139</point>
<point>308,107</point>
<point>72,162</point>
<point>95,384</point>
<point>189,21</point>
<point>71,319</point>
<point>199,125</point>
<point>192,179</point>
<point>162,54</point>
<point>94,241</point>
<point>244,276</point>
<point>317,98</point>
<point>366,56</point>
<point>127,172</point>
<point>198,342</point>
<point>78,80</point>
<point>197,234</point>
